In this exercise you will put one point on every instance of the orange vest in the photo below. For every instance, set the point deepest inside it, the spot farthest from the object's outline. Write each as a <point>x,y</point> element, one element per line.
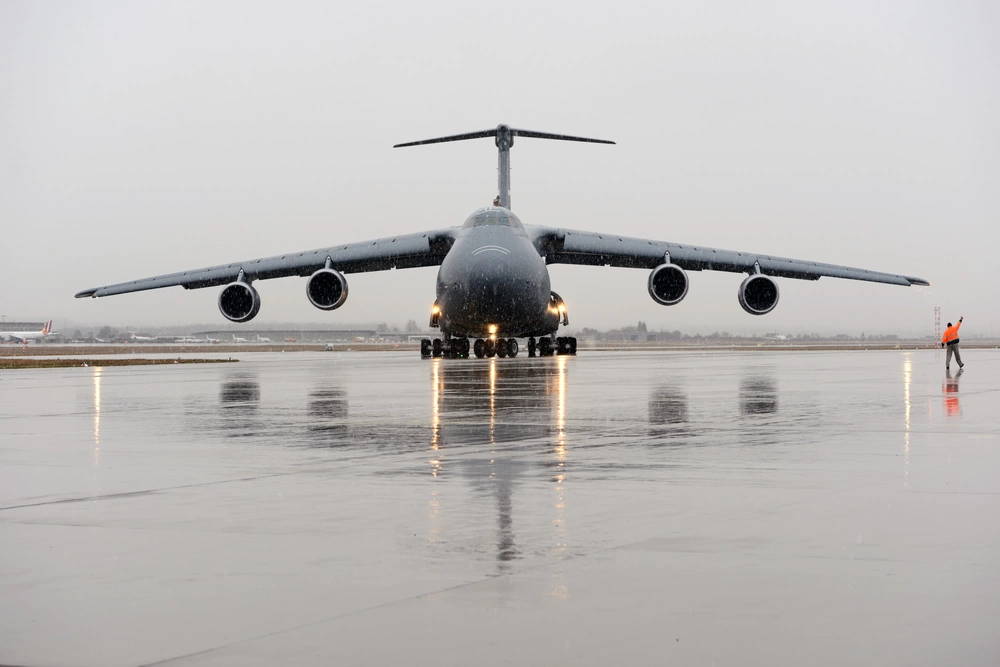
<point>951,333</point>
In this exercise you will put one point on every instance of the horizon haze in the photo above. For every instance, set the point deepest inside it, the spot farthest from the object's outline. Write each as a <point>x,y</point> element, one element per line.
<point>140,139</point>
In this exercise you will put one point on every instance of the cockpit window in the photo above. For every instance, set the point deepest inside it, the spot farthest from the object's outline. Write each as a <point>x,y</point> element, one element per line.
<point>493,216</point>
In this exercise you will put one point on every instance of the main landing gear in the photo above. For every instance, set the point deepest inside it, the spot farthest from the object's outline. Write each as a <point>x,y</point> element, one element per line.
<point>459,348</point>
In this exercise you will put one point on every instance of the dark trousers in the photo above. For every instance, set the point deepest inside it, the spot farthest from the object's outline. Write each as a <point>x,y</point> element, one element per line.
<point>953,349</point>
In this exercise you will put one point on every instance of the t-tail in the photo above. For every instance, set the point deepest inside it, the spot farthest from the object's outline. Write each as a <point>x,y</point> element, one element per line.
<point>504,138</point>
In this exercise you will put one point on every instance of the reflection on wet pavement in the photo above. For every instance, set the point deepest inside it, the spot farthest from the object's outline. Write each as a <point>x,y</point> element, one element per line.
<point>951,397</point>
<point>668,411</point>
<point>758,395</point>
<point>637,507</point>
<point>239,400</point>
<point>483,405</point>
<point>327,414</point>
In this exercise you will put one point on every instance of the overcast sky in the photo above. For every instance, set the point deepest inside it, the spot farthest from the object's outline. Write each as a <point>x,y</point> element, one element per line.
<point>139,138</point>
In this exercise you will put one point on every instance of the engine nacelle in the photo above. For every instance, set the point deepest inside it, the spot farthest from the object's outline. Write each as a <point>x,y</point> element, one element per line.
<point>327,289</point>
<point>239,302</point>
<point>668,284</point>
<point>758,294</point>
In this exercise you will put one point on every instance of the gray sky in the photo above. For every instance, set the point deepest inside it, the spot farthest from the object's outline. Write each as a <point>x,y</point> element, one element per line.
<point>144,138</point>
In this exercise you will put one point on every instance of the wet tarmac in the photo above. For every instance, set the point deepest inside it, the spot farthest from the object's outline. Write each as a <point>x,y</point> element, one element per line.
<point>686,508</point>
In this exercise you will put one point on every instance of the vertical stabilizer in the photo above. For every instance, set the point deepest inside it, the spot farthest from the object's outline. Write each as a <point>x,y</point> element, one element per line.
<point>504,138</point>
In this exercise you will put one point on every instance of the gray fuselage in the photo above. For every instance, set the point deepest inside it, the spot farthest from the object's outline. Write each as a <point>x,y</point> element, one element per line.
<point>494,276</point>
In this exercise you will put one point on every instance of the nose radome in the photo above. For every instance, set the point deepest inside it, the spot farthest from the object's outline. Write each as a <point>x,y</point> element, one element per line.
<point>494,288</point>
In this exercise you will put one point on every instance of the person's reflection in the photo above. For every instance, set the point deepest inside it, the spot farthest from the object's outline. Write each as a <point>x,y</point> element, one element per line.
<point>498,408</point>
<point>240,398</point>
<point>327,411</point>
<point>758,395</point>
<point>951,403</point>
<point>668,411</point>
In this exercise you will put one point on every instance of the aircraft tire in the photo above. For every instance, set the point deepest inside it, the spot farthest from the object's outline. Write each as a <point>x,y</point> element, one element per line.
<point>501,348</point>
<point>545,346</point>
<point>437,348</point>
<point>425,348</point>
<point>479,348</point>
<point>572,345</point>
<point>491,347</point>
<point>532,346</point>
<point>463,348</point>
<point>512,347</point>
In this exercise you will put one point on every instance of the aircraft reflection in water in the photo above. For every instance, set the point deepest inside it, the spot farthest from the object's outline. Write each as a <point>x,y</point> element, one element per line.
<point>239,397</point>
<point>327,411</point>
<point>502,410</point>
<point>498,426</point>
<point>668,411</point>
<point>758,395</point>
<point>670,422</point>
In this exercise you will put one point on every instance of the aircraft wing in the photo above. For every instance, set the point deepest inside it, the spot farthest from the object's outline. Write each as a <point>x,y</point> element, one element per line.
<point>567,246</point>
<point>395,252</point>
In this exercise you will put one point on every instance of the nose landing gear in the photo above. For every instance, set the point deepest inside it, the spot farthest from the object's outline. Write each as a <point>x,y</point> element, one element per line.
<point>500,347</point>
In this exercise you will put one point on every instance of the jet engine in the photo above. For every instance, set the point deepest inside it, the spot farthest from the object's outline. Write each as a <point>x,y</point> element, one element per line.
<point>758,294</point>
<point>327,289</point>
<point>668,284</point>
<point>239,302</point>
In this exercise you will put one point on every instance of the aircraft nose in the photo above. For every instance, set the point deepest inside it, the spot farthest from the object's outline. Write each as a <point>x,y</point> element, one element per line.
<point>492,283</point>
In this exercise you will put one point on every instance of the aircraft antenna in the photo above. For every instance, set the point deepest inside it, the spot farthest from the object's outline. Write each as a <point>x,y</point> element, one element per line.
<point>504,138</point>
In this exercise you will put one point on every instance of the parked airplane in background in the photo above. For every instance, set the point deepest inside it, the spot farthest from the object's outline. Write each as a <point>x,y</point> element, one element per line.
<point>493,285</point>
<point>263,339</point>
<point>190,340</point>
<point>25,336</point>
<point>239,339</point>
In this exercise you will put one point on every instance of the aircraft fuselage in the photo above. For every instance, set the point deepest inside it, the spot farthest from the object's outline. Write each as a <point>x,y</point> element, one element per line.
<point>494,281</point>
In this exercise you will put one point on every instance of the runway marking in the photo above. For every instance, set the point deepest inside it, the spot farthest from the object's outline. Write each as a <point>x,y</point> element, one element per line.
<point>144,492</point>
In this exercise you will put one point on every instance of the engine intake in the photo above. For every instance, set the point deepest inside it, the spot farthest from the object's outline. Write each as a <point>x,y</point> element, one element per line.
<point>239,302</point>
<point>668,284</point>
<point>758,294</point>
<point>327,289</point>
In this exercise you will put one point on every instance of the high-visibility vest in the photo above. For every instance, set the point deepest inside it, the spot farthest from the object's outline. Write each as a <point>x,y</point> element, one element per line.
<point>951,333</point>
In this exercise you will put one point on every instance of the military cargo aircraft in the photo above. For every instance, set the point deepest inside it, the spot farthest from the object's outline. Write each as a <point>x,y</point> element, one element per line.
<point>493,283</point>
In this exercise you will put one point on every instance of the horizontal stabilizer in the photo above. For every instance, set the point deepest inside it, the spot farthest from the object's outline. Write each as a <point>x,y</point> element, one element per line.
<point>454,137</point>
<point>559,137</point>
<point>505,132</point>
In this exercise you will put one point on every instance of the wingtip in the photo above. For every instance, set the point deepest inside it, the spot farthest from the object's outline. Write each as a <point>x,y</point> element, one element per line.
<point>919,281</point>
<point>87,292</point>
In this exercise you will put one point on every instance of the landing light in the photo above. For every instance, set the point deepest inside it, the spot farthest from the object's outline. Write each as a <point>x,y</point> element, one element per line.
<point>435,309</point>
<point>491,329</point>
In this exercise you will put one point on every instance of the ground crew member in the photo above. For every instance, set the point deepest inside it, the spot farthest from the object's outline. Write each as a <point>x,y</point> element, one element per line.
<point>950,341</point>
